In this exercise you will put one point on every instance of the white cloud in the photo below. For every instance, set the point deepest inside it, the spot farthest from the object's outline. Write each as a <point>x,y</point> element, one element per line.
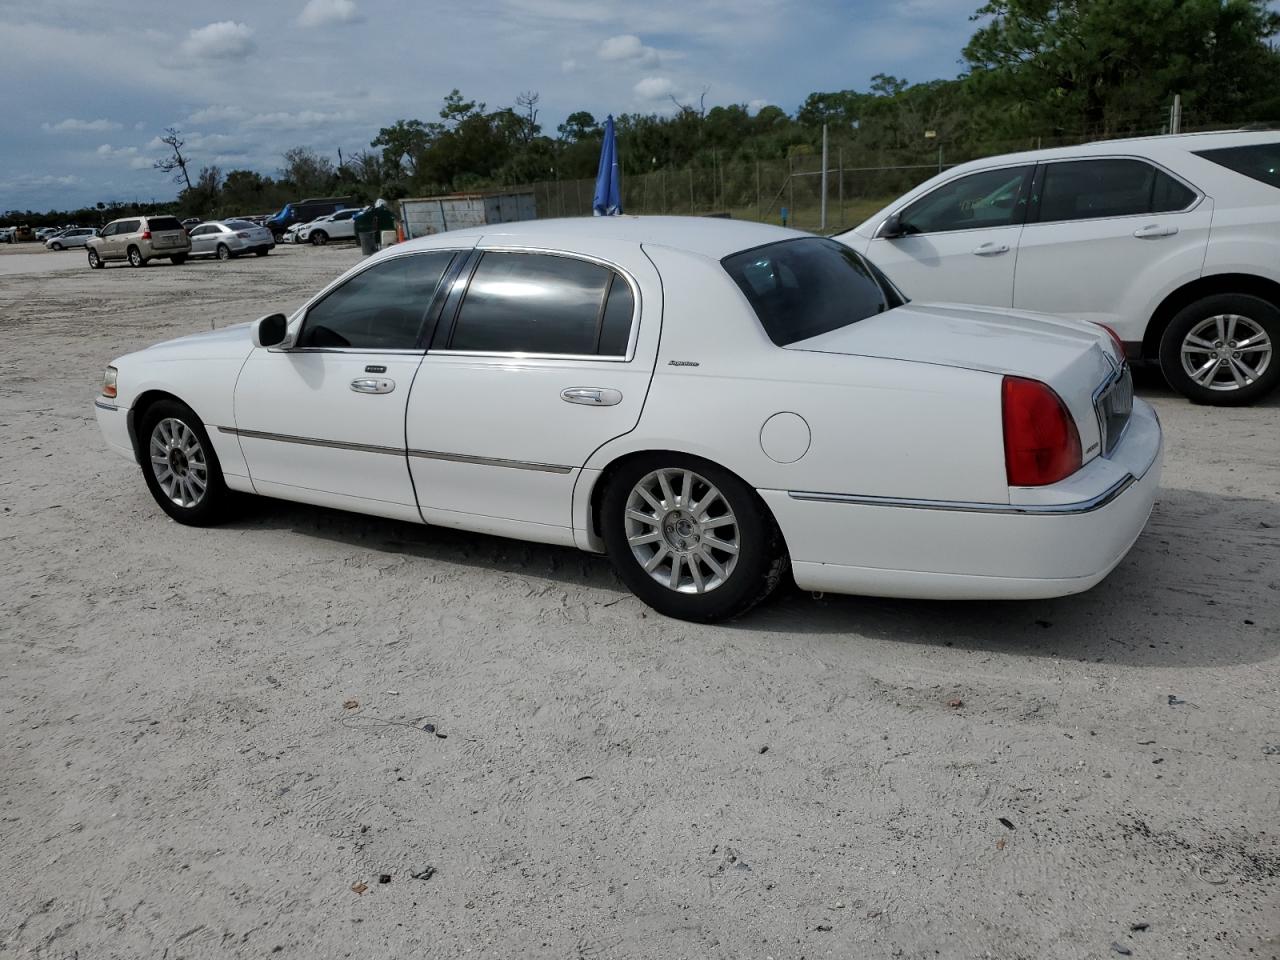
<point>282,120</point>
<point>72,125</point>
<point>140,125</point>
<point>568,66</point>
<point>224,40</point>
<point>218,114</point>
<point>107,150</point>
<point>755,106</point>
<point>141,163</point>
<point>321,13</point>
<point>627,48</point>
<point>654,88</point>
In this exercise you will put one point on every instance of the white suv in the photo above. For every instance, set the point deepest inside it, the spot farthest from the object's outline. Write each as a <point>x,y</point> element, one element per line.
<point>339,225</point>
<point>1173,242</point>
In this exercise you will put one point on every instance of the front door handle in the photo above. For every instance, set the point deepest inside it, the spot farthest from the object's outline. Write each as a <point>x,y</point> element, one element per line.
<point>373,385</point>
<point>592,396</point>
<point>1154,230</point>
<point>990,249</point>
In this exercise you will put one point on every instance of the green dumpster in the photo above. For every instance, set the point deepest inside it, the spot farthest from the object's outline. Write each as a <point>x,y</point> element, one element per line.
<point>369,224</point>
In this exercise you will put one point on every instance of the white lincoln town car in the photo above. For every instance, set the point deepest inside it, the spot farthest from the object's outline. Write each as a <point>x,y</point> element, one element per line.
<point>708,402</point>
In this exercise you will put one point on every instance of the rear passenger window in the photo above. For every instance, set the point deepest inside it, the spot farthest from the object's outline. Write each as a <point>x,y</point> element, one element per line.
<point>1093,189</point>
<point>1260,161</point>
<point>537,303</point>
<point>381,308</point>
<point>164,223</point>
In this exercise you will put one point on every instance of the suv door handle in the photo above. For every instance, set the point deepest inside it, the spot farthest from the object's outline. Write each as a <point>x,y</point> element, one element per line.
<point>373,385</point>
<point>1152,230</point>
<point>592,396</point>
<point>990,249</point>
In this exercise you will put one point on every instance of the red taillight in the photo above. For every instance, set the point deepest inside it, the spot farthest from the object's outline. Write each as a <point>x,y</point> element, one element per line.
<point>1115,338</point>
<point>1041,443</point>
<point>243,235</point>
<point>146,234</point>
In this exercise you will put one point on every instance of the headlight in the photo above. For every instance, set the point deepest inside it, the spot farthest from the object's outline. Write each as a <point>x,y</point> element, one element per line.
<point>109,382</point>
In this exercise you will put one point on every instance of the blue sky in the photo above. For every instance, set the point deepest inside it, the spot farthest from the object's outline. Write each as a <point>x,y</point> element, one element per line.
<point>88,87</point>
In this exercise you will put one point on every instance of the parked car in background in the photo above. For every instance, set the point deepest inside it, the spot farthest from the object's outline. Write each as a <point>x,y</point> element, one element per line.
<point>139,240</point>
<point>23,234</point>
<point>795,408</point>
<point>339,225</point>
<point>191,223</point>
<point>225,239</point>
<point>291,235</point>
<point>6,234</point>
<point>44,233</point>
<point>75,237</point>
<point>302,211</point>
<point>1172,242</point>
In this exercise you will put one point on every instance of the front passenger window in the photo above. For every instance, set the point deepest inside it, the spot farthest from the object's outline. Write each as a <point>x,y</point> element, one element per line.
<point>992,198</point>
<point>381,308</point>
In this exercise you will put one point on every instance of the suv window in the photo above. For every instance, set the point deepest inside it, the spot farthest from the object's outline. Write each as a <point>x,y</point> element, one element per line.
<point>344,215</point>
<point>163,223</point>
<point>539,303</point>
<point>381,308</point>
<point>991,198</point>
<point>802,288</point>
<point>1260,162</point>
<point>127,226</point>
<point>240,225</point>
<point>1091,189</point>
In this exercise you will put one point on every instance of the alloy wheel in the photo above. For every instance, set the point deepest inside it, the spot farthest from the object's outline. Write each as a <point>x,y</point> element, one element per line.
<point>682,531</point>
<point>178,462</point>
<point>1226,352</point>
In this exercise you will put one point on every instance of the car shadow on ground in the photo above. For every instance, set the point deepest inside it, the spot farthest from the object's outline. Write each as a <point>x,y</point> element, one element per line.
<point>1187,595</point>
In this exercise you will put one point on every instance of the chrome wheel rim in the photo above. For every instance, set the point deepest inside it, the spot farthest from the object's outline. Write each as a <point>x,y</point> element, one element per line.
<point>682,531</point>
<point>178,462</point>
<point>93,257</point>
<point>1226,352</point>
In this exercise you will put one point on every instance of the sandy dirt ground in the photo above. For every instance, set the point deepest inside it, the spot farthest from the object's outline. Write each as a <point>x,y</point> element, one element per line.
<point>180,777</point>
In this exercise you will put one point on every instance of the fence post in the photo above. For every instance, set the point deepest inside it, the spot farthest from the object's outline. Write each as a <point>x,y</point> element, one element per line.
<point>840,160</point>
<point>663,183</point>
<point>791,191</point>
<point>691,189</point>
<point>759,201</point>
<point>822,204</point>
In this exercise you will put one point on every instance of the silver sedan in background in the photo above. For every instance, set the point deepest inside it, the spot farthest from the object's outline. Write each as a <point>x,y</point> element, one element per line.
<point>75,237</point>
<point>225,239</point>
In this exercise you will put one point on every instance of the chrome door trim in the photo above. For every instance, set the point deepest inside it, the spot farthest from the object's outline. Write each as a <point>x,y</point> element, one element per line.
<point>960,506</point>
<point>490,461</point>
<point>312,442</point>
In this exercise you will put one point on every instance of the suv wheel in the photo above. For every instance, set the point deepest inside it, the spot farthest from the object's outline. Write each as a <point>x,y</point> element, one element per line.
<point>689,538</point>
<point>319,238</point>
<point>136,259</point>
<point>95,261</point>
<point>1221,350</point>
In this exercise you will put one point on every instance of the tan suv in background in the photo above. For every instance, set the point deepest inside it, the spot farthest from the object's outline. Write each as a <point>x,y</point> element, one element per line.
<point>139,240</point>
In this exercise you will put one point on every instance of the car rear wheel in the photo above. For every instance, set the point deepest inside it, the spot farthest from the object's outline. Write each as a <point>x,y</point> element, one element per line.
<point>136,259</point>
<point>178,259</point>
<point>262,251</point>
<point>1221,350</point>
<point>95,261</point>
<point>224,252</point>
<point>180,465</point>
<point>319,238</point>
<point>689,538</point>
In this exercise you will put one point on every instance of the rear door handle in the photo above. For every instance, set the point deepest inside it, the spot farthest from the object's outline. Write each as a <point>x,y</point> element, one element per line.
<point>373,385</point>
<point>1152,230</point>
<point>592,396</point>
<point>990,249</point>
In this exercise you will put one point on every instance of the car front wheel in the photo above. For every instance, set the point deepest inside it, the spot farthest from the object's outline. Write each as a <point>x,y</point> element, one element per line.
<point>689,538</point>
<point>319,238</point>
<point>180,465</point>
<point>1221,350</point>
<point>95,261</point>
<point>56,246</point>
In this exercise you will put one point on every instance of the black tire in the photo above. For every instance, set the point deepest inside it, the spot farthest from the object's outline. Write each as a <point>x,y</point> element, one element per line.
<point>224,252</point>
<point>178,259</point>
<point>210,506</point>
<point>761,558</point>
<point>136,259</point>
<point>319,238</point>
<point>1253,315</point>
<point>95,261</point>
<point>56,246</point>
<point>262,251</point>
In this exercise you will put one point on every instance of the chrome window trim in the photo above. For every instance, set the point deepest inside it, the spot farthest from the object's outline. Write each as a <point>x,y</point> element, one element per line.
<point>961,506</point>
<point>633,335</point>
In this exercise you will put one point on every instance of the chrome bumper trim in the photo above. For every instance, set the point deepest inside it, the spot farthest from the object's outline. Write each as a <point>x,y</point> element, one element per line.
<point>103,405</point>
<point>1018,509</point>
<point>491,461</point>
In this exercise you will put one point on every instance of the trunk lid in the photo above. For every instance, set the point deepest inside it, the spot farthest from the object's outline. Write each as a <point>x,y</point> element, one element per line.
<point>1075,358</point>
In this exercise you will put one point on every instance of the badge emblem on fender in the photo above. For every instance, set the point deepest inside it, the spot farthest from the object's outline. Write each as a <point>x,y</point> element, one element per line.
<point>682,363</point>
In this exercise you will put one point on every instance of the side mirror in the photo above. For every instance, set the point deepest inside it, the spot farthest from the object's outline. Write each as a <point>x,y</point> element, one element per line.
<point>269,331</point>
<point>890,228</point>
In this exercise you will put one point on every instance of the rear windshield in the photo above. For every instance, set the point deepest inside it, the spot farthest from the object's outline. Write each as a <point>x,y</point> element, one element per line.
<point>802,288</point>
<point>1261,161</point>
<point>240,225</point>
<point>163,223</point>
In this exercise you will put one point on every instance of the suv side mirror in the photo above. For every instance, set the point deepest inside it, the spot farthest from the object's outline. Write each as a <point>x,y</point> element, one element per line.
<point>890,228</point>
<point>269,331</point>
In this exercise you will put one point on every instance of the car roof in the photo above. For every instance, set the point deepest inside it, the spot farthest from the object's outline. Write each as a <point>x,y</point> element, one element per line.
<point>1140,146</point>
<point>712,237</point>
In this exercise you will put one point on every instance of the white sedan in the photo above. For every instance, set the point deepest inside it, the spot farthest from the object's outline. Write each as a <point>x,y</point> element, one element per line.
<point>705,401</point>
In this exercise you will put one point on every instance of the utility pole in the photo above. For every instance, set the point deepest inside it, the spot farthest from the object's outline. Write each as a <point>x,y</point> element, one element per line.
<point>822,225</point>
